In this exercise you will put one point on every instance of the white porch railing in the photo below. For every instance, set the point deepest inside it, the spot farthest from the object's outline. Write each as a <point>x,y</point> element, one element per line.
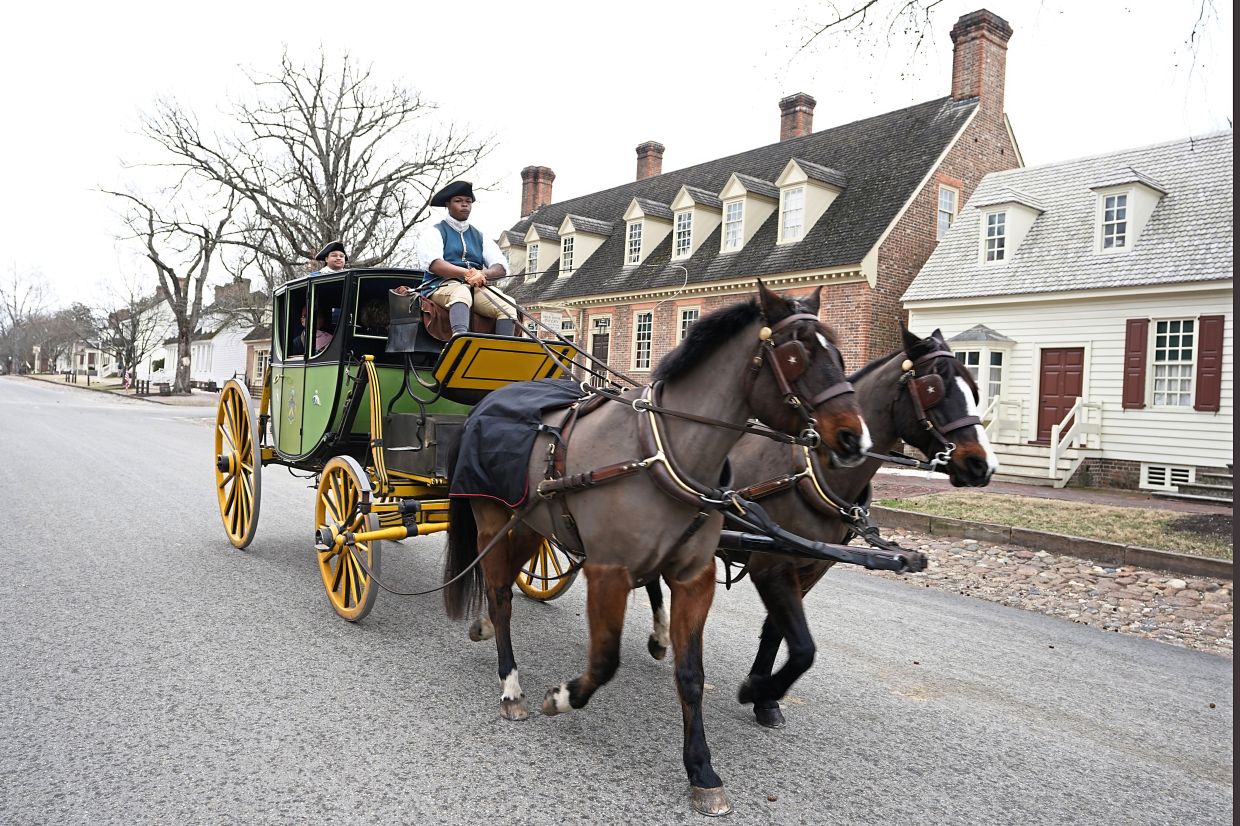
<point>1001,420</point>
<point>1086,432</point>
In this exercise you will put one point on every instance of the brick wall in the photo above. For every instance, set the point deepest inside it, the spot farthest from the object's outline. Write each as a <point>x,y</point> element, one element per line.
<point>1107,473</point>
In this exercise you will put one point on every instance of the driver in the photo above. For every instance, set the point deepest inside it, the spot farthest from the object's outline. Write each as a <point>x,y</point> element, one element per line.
<point>460,262</point>
<point>333,257</point>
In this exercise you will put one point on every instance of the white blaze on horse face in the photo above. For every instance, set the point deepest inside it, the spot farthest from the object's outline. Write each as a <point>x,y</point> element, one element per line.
<point>512,687</point>
<point>660,633</point>
<point>560,698</point>
<point>967,394</point>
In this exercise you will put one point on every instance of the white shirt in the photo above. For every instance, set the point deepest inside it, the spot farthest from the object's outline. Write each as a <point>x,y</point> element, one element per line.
<point>430,247</point>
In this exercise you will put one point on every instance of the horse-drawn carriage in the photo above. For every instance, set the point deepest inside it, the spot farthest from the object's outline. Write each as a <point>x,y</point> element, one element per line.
<point>635,481</point>
<point>372,405</point>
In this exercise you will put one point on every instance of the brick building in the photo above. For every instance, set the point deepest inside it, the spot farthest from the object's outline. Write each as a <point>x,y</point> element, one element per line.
<point>856,209</point>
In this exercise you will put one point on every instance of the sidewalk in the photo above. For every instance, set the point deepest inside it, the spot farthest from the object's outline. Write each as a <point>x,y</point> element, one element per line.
<point>112,387</point>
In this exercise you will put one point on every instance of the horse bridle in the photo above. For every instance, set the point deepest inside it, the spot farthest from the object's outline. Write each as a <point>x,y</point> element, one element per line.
<point>926,392</point>
<point>788,362</point>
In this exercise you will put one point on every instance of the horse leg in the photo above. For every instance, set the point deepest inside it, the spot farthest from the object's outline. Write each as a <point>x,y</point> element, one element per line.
<point>690,604</point>
<point>607,594</point>
<point>781,594</point>
<point>498,570</point>
<point>659,637</point>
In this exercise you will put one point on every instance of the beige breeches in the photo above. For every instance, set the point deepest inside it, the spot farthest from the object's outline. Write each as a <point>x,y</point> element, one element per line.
<point>484,303</point>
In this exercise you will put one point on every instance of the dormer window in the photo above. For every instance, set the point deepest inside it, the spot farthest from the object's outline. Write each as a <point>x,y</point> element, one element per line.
<point>684,234</point>
<point>792,214</point>
<point>949,205</point>
<point>634,246</point>
<point>566,253</point>
<point>733,225</point>
<point>996,236</point>
<point>531,259</point>
<point>1115,221</point>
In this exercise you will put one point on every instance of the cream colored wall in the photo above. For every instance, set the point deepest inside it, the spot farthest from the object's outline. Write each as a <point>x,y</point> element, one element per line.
<point>1180,436</point>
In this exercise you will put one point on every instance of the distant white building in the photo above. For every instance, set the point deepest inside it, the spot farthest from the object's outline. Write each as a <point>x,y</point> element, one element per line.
<point>1093,301</point>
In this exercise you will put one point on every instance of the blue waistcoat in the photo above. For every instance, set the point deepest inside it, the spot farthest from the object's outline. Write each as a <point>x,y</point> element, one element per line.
<point>461,249</point>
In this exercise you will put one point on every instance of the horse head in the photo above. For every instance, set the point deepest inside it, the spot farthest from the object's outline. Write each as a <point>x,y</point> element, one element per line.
<point>797,381</point>
<point>940,416</point>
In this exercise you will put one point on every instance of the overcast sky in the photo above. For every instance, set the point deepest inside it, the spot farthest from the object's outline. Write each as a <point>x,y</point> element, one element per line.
<point>569,85</point>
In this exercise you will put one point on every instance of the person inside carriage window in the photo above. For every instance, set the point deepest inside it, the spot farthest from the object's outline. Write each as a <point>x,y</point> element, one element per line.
<point>333,257</point>
<point>322,337</point>
<point>460,263</point>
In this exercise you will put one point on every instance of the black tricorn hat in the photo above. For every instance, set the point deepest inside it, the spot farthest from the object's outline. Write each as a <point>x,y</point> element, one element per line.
<point>334,246</point>
<point>451,191</point>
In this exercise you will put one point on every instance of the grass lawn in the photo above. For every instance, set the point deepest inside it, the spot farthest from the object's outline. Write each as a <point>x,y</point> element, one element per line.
<point>1201,534</point>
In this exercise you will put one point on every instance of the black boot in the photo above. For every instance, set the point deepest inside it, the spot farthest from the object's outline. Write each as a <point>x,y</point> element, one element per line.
<point>458,317</point>
<point>505,327</point>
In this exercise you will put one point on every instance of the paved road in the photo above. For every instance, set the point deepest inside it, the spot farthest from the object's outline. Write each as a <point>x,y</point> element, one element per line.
<point>149,673</point>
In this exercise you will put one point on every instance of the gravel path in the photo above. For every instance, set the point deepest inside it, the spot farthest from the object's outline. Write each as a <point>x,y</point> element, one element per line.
<point>1193,612</point>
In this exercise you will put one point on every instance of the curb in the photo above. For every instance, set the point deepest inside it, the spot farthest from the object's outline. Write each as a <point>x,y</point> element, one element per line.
<point>113,393</point>
<point>1096,550</point>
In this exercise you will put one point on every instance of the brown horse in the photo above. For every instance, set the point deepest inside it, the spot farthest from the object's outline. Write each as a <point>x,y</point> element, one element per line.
<point>922,395</point>
<point>659,515</point>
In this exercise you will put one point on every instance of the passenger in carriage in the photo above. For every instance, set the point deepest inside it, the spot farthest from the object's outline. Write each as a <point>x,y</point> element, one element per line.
<point>459,262</point>
<point>322,337</point>
<point>333,257</point>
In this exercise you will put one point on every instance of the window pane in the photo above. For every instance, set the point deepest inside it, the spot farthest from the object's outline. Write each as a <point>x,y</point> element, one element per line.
<point>684,233</point>
<point>732,225</point>
<point>643,335</point>
<point>635,243</point>
<point>793,217</point>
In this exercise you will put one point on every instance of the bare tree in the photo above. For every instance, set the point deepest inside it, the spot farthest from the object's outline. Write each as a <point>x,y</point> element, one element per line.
<point>22,296</point>
<point>322,153</point>
<point>131,328</point>
<point>55,334</point>
<point>182,251</point>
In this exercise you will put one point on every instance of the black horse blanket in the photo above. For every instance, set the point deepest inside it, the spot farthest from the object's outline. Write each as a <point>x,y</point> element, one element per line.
<point>499,434</point>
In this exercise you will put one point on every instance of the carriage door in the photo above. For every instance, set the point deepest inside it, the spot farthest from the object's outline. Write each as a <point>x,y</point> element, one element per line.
<point>1060,385</point>
<point>288,377</point>
<point>600,344</point>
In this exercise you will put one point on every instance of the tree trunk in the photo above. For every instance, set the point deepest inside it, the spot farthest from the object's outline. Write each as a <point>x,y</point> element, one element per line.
<point>181,384</point>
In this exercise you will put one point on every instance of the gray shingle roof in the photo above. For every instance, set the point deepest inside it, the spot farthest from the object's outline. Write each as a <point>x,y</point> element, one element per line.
<point>654,208</point>
<point>1007,195</point>
<point>885,157</point>
<point>1188,237</point>
<point>1127,176</point>
<point>584,224</point>
<point>545,232</point>
<point>701,196</point>
<point>978,332</point>
<point>758,186</point>
<point>816,172</point>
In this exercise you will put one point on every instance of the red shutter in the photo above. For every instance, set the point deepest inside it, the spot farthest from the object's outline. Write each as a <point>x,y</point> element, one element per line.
<point>1209,382</point>
<point>1136,340</point>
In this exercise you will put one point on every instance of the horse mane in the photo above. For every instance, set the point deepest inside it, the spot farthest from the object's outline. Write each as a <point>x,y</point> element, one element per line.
<point>704,337</point>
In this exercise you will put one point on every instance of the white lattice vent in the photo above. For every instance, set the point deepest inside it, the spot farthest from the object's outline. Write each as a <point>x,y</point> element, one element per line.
<point>1165,477</point>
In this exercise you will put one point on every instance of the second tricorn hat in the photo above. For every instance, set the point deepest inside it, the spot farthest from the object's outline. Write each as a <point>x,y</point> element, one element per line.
<point>451,191</point>
<point>334,246</point>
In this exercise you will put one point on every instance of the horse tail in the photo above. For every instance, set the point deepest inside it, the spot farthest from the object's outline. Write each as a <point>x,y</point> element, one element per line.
<point>463,595</point>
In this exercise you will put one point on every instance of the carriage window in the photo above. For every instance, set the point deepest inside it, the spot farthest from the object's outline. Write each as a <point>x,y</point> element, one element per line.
<point>370,320</point>
<point>1173,362</point>
<point>290,310</point>
<point>326,304</point>
<point>996,236</point>
<point>684,233</point>
<point>948,200</point>
<point>643,335</point>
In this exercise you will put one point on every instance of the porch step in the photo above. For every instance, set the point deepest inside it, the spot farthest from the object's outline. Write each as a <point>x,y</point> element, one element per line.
<point>1192,497</point>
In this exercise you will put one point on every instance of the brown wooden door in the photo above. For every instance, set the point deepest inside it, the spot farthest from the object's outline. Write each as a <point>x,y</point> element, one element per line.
<point>600,344</point>
<point>1061,382</point>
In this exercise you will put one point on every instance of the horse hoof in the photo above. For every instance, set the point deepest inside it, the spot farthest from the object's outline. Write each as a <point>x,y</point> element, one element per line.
<point>769,717</point>
<point>744,694</point>
<point>710,802</point>
<point>556,701</point>
<point>514,709</point>
<point>481,629</point>
<point>656,649</point>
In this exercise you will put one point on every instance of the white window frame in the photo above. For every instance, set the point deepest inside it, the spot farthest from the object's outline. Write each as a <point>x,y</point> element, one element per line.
<point>688,317</point>
<point>567,244</point>
<point>994,237</point>
<point>633,244</point>
<point>531,258</point>
<point>1115,221</point>
<point>643,342</point>
<point>682,235</point>
<point>262,360</point>
<point>1178,373</point>
<point>988,376</point>
<point>789,212</point>
<point>733,225</point>
<point>946,217</point>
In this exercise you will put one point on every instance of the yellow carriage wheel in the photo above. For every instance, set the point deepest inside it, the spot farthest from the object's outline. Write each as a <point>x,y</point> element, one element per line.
<point>344,489</point>
<point>549,574</point>
<point>238,465</point>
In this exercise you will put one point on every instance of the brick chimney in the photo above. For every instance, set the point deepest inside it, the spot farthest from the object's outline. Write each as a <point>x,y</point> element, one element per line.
<point>535,188</point>
<point>796,116</point>
<point>649,159</point>
<point>980,59</point>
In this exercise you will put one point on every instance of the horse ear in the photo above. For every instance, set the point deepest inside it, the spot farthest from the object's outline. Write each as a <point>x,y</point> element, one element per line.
<point>911,340</point>
<point>774,307</point>
<point>812,302</point>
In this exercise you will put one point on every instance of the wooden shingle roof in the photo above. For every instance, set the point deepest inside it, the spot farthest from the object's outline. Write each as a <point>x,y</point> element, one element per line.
<point>884,158</point>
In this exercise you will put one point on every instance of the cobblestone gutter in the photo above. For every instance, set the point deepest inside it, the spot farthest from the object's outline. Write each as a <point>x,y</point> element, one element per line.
<point>1190,611</point>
